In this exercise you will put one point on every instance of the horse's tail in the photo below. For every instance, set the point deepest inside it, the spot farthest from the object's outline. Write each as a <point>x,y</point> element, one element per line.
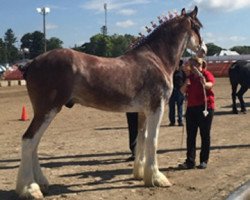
<point>24,69</point>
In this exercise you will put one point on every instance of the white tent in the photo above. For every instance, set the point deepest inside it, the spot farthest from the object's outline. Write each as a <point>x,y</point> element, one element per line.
<point>227,53</point>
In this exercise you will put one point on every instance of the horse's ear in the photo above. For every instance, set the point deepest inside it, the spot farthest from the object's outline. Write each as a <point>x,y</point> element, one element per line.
<point>183,12</point>
<point>193,14</point>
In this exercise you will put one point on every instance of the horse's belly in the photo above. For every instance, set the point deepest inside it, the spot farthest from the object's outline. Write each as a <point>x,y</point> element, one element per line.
<point>107,102</point>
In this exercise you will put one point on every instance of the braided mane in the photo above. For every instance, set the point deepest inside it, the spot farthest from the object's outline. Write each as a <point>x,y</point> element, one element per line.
<point>142,40</point>
<point>163,22</point>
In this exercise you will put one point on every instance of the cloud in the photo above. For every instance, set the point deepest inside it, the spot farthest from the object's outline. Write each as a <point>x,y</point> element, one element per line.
<point>127,12</point>
<point>125,24</point>
<point>56,7</point>
<point>218,39</point>
<point>98,5</point>
<point>236,38</point>
<point>51,26</point>
<point>223,5</point>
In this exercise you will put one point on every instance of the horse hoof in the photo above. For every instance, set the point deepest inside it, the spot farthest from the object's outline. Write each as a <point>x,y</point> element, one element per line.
<point>31,192</point>
<point>162,182</point>
<point>159,180</point>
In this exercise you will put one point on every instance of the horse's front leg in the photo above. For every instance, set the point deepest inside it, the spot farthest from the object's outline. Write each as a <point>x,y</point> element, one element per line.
<point>30,180</point>
<point>240,94</point>
<point>152,175</point>
<point>140,147</point>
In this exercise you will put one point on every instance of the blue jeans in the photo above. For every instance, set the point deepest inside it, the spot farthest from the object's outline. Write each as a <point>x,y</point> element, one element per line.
<point>176,98</point>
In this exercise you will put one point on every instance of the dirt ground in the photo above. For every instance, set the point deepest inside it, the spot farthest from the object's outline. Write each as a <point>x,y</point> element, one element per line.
<point>83,153</point>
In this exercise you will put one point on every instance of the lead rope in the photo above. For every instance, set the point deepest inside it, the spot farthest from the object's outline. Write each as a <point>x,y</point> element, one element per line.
<point>205,112</point>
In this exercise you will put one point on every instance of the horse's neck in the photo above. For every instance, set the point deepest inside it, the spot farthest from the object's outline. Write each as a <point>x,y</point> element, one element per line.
<point>170,48</point>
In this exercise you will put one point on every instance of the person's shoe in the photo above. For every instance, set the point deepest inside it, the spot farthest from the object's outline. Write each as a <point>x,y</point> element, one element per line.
<point>171,124</point>
<point>186,166</point>
<point>180,124</point>
<point>131,158</point>
<point>203,165</point>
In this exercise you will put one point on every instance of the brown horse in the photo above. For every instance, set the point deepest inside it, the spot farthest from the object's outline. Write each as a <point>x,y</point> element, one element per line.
<point>138,81</point>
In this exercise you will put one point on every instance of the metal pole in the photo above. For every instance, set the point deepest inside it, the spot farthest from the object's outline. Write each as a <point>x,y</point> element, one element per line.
<point>105,14</point>
<point>44,11</point>
<point>105,28</point>
<point>44,29</point>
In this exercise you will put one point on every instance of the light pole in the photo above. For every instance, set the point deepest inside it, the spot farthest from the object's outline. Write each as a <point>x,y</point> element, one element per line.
<point>104,28</point>
<point>44,11</point>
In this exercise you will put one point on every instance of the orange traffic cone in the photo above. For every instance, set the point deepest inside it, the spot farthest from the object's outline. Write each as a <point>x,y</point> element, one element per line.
<point>24,116</point>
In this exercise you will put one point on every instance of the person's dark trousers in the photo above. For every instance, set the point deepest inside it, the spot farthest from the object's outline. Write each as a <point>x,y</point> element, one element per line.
<point>176,98</point>
<point>195,120</point>
<point>132,119</point>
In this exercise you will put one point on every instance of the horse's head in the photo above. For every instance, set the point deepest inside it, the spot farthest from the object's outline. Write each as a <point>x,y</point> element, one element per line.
<point>195,42</point>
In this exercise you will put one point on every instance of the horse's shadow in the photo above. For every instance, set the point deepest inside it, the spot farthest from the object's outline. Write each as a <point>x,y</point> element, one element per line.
<point>103,179</point>
<point>60,189</point>
<point>230,111</point>
<point>8,195</point>
<point>224,112</point>
<point>247,104</point>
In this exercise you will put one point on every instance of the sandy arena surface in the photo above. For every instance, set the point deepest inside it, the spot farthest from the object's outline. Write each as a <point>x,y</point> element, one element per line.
<point>83,153</point>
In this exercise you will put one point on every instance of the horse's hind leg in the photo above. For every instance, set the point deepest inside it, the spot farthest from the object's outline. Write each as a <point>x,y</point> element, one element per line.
<point>30,178</point>
<point>234,89</point>
<point>240,94</point>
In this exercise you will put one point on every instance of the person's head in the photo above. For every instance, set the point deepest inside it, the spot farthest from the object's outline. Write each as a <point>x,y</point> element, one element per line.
<point>197,62</point>
<point>187,68</point>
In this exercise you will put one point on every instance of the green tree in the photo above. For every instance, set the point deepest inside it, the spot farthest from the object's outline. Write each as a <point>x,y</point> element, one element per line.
<point>2,52</point>
<point>34,42</point>
<point>99,45</point>
<point>212,49</point>
<point>241,49</point>
<point>108,46</point>
<point>120,44</point>
<point>11,50</point>
<point>54,43</point>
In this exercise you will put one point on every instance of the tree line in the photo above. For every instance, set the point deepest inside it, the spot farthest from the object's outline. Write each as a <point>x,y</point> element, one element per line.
<point>32,45</point>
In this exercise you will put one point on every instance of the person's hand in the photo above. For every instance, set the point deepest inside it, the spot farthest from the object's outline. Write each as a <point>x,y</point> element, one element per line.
<point>187,81</point>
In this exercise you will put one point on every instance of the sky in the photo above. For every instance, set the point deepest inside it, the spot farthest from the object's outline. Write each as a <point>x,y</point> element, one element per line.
<point>226,22</point>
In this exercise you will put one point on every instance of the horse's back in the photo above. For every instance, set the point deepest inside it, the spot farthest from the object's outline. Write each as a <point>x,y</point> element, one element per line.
<point>239,73</point>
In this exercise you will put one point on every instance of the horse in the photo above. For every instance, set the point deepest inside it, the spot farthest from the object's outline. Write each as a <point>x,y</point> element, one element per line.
<point>239,73</point>
<point>140,81</point>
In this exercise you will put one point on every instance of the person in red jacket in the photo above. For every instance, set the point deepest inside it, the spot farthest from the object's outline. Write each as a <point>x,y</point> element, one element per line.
<point>200,110</point>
